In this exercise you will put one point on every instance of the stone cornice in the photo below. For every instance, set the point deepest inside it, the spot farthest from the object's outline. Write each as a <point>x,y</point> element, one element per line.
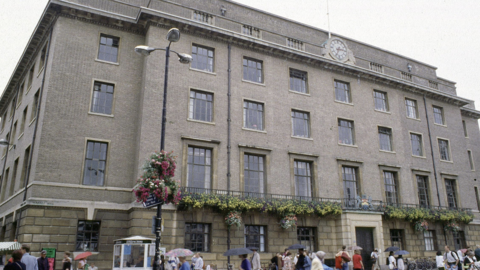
<point>470,112</point>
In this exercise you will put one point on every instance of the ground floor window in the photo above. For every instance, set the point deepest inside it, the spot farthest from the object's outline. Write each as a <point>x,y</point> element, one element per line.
<point>88,233</point>
<point>396,236</point>
<point>430,240</point>
<point>306,237</point>
<point>459,240</point>
<point>255,237</point>
<point>197,237</point>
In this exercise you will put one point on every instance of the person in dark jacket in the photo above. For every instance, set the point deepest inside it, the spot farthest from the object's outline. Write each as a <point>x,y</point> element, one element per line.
<point>43,261</point>
<point>16,264</point>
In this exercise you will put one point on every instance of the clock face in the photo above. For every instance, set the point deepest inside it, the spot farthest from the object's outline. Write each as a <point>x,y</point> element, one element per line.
<point>338,49</point>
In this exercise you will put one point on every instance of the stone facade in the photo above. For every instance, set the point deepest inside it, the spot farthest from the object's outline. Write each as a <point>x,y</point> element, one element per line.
<point>43,200</point>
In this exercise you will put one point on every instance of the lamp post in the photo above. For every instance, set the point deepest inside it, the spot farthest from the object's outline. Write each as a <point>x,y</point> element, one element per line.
<point>173,35</point>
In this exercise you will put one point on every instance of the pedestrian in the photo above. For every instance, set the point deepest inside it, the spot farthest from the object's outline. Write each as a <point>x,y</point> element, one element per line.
<point>29,261</point>
<point>440,261</point>
<point>400,263</point>
<point>43,261</point>
<point>461,257</point>
<point>93,267</point>
<point>67,261</point>
<point>274,261</point>
<point>469,260</point>
<point>477,253</point>
<point>287,261</point>
<point>392,264</point>
<point>342,258</point>
<point>304,262</point>
<point>256,260</point>
<point>451,259</point>
<point>199,262</point>
<point>16,263</point>
<point>374,258</point>
<point>357,261</point>
<point>245,265</point>
<point>321,257</point>
<point>81,264</point>
<point>194,260</point>
<point>317,264</point>
<point>185,264</point>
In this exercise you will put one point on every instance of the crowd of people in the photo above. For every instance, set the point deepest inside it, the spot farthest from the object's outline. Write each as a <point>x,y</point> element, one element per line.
<point>181,263</point>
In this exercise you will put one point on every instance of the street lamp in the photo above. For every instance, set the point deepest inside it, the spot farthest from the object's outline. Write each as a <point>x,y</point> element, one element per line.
<point>4,142</point>
<point>173,35</point>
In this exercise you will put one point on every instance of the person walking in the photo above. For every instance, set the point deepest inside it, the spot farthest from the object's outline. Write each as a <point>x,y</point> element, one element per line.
<point>194,260</point>
<point>469,260</point>
<point>29,261</point>
<point>317,264</point>
<point>287,261</point>
<point>43,261</point>
<point>451,259</point>
<point>357,261</point>
<point>16,263</point>
<point>67,261</point>
<point>342,258</point>
<point>256,260</point>
<point>392,264</point>
<point>245,265</point>
<point>374,258</point>
<point>199,262</point>
<point>321,257</point>
<point>400,263</point>
<point>185,264</point>
<point>304,262</point>
<point>440,261</point>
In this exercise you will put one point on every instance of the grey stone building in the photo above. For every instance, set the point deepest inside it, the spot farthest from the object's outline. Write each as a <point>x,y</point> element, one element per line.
<point>311,117</point>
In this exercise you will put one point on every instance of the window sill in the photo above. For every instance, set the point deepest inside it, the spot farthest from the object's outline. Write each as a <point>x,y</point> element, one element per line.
<point>302,138</point>
<point>40,71</point>
<point>18,105</point>
<point>446,161</point>
<point>254,130</point>
<point>387,112</point>
<point>256,83</point>
<point>201,122</point>
<point>440,125</point>
<point>419,156</point>
<point>107,62</point>
<point>348,145</point>
<point>389,152</point>
<point>33,120</point>
<point>101,114</point>
<point>299,93</point>
<point>28,89</point>
<point>21,135</point>
<point>416,119</point>
<point>203,71</point>
<point>345,103</point>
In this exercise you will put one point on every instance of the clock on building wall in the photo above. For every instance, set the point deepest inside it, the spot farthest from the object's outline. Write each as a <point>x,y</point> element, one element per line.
<point>337,49</point>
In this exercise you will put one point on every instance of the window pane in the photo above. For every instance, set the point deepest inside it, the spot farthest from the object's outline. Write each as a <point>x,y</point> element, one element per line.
<point>87,235</point>
<point>95,163</point>
<point>451,193</point>
<point>255,237</point>
<point>345,132</point>
<point>253,115</point>
<point>306,237</point>
<point>201,106</point>
<point>438,115</point>
<point>254,173</point>
<point>199,168</point>
<point>342,91</point>
<point>102,98</point>
<point>300,124</point>
<point>422,185</point>
<point>108,50</point>
<point>411,106</point>
<point>444,149</point>
<point>202,58</point>
<point>298,81</point>
<point>197,237</point>
<point>303,178</point>
<point>390,187</point>
<point>252,70</point>
<point>350,185</point>
<point>417,147</point>
<point>385,137</point>
<point>396,237</point>
<point>380,101</point>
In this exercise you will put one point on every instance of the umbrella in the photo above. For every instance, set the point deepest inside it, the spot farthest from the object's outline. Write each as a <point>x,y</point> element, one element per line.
<point>83,255</point>
<point>237,251</point>
<point>355,248</point>
<point>392,249</point>
<point>253,248</point>
<point>179,252</point>
<point>402,252</point>
<point>296,246</point>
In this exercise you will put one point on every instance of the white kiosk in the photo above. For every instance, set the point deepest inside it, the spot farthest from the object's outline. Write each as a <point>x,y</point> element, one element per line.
<point>136,252</point>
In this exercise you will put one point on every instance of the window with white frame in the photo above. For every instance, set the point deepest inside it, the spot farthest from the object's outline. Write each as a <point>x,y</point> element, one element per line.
<point>199,167</point>
<point>385,137</point>
<point>201,106</point>
<point>255,237</point>
<point>342,92</point>
<point>346,132</point>
<point>253,115</point>
<point>411,106</point>
<point>438,115</point>
<point>300,124</point>
<point>430,240</point>
<point>381,102</point>
<point>444,150</point>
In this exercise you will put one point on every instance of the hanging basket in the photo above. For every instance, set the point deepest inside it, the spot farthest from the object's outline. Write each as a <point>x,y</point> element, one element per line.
<point>233,218</point>
<point>288,221</point>
<point>421,225</point>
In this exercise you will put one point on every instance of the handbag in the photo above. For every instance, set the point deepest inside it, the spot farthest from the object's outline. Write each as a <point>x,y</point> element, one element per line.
<point>345,257</point>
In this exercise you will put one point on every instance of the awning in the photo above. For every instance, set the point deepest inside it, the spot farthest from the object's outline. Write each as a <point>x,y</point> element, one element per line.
<point>6,246</point>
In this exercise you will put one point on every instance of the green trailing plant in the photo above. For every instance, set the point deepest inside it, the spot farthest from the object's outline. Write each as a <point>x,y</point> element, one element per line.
<point>418,214</point>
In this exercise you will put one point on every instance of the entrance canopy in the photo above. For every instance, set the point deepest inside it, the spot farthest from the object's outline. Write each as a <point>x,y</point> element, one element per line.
<point>9,246</point>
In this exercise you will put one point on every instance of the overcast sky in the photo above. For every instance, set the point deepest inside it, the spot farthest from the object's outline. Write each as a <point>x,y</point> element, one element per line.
<point>442,33</point>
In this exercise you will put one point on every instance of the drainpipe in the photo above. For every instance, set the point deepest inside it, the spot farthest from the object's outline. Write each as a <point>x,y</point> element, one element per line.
<point>433,158</point>
<point>229,121</point>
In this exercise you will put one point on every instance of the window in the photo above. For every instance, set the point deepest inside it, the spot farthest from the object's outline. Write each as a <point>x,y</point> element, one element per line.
<point>197,237</point>
<point>444,150</point>
<point>298,81</point>
<point>423,197</point>
<point>411,106</point>
<point>254,170</point>
<point>253,115</point>
<point>102,98</point>
<point>24,120</point>
<point>438,115</point>
<point>88,233</point>
<point>95,163</point>
<point>477,196</point>
<point>303,178</point>
<point>385,137</point>
<point>306,237</point>
<point>255,237</point>
<point>43,56</point>
<point>464,128</point>
<point>391,195</point>
<point>14,132</point>
<point>7,137</point>
<point>250,31</point>
<point>295,44</point>
<point>417,145</point>
<point>342,92</point>
<point>108,50</point>
<point>26,157</point>
<point>4,183</point>
<point>345,132</point>
<point>300,124</point>
<point>202,17</point>
<point>451,193</point>
<point>430,240</point>
<point>13,231</point>
<point>4,120</point>
<point>470,160</point>
<point>20,93</point>
<point>351,188</point>
<point>199,167</point>
<point>30,76</point>
<point>381,103</point>
<point>12,108</point>
<point>396,236</point>
<point>252,70</point>
<point>376,67</point>
<point>201,106</point>
<point>14,178</point>
<point>35,105</point>
<point>202,58</point>
<point>459,240</point>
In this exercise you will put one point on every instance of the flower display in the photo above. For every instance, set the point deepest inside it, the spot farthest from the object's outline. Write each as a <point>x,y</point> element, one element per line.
<point>233,218</point>
<point>288,221</point>
<point>452,227</point>
<point>157,179</point>
<point>416,214</point>
<point>421,225</point>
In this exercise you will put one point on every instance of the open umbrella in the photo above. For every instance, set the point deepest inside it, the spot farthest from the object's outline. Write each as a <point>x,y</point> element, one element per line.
<point>83,255</point>
<point>237,251</point>
<point>179,252</point>
<point>296,246</point>
<point>402,252</point>
<point>392,249</point>
<point>355,248</point>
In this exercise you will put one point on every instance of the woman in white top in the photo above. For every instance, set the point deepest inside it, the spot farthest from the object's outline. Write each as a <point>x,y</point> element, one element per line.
<point>401,265</point>
<point>391,261</point>
<point>440,261</point>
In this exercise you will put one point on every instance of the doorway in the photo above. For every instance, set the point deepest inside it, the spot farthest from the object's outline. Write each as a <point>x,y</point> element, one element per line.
<point>365,240</point>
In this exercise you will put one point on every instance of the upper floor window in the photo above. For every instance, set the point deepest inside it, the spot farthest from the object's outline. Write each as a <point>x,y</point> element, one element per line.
<point>385,137</point>
<point>391,195</point>
<point>36,99</point>
<point>253,168</point>
<point>470,160</point>
<point>255,237</point>
<point>201,106</point>
<point>197,237</point>
<point>12,107</point>
<point>451,193</point>
<point>417,144</point>
<point>199,167</point>
<point>202,58</point>
<point>438,115</point>
<point>88,235</point>
<point>24,120</point>
<point>303,178</point>
<point>300,124</point>
<point>351,187</point>
<point>423,191</point>
<point>20,93</point>
<point>381,103</point>
<point>4,119</point>
<point>342,92</point>
<point>298,81</point>
<point>102,98</point>
<point>252,70</point>
<point>464,128</point>
<point>108,50</point>
<point>444,150</point>
<point>95,163</point>
<point>43,56</point>
<point>345,132</point>
<point>253,115</point>
<point>411,106</point>
<point>30,76</point>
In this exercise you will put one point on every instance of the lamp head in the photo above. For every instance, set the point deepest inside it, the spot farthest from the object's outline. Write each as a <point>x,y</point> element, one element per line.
<point>184,58</point>
<point>173,35</point>
<point>144,50</point>
<point>4,142</point>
